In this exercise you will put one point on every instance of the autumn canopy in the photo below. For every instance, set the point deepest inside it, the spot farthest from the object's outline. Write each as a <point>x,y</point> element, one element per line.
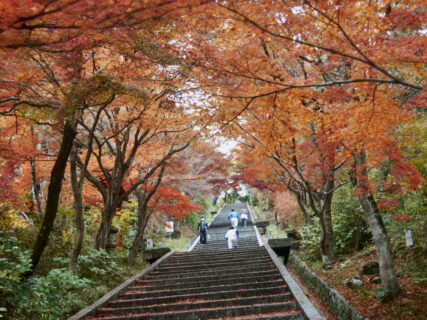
<point>107,102</point>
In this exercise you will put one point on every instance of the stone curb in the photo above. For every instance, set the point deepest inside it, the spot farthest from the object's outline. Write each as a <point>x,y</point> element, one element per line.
<point>116,291</point>
<point>336,303</point>
<point>258,235</point>
<point>309,311</point>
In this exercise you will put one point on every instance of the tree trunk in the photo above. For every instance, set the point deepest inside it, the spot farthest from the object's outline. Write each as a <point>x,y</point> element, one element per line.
<point>376,225</point>
<point>327,238</point>
<point>321,204</point>
<point>133,252</point>
<point>36,188</point>
<point>304,208</point>
<point>143,217</point>
<point>54,190</point>
<point>104,230</point>
<point>78,214</point>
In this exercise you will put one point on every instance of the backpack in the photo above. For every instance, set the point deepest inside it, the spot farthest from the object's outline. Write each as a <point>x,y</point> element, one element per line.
<point>203,225</point>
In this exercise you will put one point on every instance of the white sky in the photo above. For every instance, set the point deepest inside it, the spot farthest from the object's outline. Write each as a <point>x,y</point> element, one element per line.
<point>226,146</point>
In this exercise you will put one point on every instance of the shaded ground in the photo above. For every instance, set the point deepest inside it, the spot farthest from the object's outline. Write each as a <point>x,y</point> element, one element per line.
<point>408,306</point>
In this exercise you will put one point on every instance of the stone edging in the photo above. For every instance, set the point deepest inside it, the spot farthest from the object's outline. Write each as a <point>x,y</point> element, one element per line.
<point>115,292</point>
<point>337,304</point>
<point>309,311</point>
<point>258,235</point>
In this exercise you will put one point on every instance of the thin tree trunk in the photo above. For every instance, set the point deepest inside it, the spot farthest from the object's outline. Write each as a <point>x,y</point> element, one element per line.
<point>36,188</point>
<point>143,217</point>
<point>133,252</point>
<point>327,238</point>
<point>78,214</point>
<point>357,236</point>
<point>54,190</point>
<point>376,225</point>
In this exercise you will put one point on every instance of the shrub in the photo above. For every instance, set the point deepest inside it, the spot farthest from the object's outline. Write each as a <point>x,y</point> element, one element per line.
<point>14,261</point>
<point>311,239</point>
<point>98,265</point>
<point>49,297</point>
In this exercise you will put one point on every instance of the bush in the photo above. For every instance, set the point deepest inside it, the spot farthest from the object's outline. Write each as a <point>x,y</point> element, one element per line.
<point>350,228</point>
<point>98,265</point>
<point>310,234</point>
<point>50,297</point>
<point>14,261</point>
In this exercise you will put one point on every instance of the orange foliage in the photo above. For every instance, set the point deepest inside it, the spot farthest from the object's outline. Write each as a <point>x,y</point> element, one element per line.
<point>287,209</point>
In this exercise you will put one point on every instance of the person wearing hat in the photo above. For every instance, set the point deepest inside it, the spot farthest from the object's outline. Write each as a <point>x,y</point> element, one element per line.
<point>203,229</point>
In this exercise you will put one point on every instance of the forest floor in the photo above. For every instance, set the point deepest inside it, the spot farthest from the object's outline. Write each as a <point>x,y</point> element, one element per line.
<point>410,305</point>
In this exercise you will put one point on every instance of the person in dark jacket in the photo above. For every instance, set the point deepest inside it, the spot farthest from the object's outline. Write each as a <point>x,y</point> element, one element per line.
<point>203,229</point>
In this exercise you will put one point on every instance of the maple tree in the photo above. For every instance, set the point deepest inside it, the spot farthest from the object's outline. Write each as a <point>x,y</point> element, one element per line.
<point>312,88</point>
<point>306,59</point>
<point>48,51</point>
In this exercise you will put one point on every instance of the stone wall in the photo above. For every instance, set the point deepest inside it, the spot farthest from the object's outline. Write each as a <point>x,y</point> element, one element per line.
<point>337,305</point>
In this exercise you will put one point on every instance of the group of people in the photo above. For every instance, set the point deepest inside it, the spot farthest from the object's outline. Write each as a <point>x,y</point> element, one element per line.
<point>232,234</point>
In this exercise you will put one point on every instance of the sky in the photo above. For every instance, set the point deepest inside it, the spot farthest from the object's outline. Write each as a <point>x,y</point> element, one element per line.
<point>226,145</point>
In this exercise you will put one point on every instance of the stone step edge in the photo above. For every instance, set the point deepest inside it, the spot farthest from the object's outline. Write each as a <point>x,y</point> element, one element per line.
<point>203,296</point>
<point>210,283</point>
<point>191,304</point>
<point>268,284</point>
<point>189,253</point>
<point>192,262</point>
<point>287,315</point>
<point>256,308</point>
<point>256,268</point>
<point>197,291</point>
<point>221,252</point>
<point>207,266</point>
<point>208,277</point>
<point>212,254</point>
<point>166,288</point>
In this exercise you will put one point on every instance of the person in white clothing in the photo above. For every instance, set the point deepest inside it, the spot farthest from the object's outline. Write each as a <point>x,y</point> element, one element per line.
<point>231,236</point>
<point>244,217</point>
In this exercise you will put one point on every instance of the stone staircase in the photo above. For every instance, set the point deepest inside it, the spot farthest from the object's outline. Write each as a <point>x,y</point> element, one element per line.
<point>209,282</point>
<point>219,227</point>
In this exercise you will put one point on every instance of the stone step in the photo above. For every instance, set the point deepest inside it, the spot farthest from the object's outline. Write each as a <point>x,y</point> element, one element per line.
<point>286,315</point>
<point>133,300</point>
<point>210,282</point>
<point>213,261</point>
<point>204,266</point>
<point>195,284</point>
<point>209,313</point>
<point>214,272</point>
<point>177,283</point>
<point>217,258</point>
<point>141,293</point>
<point>223,241</point>
<point>201,247</point>
<point>191,304</point>
<point>219,253</point>
<point>223,246</point>
<point>204,277</point>
<point>255,248</point>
